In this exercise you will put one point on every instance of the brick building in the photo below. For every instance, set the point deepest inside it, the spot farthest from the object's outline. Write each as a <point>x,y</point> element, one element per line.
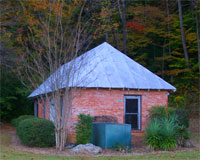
<point>116,86</point>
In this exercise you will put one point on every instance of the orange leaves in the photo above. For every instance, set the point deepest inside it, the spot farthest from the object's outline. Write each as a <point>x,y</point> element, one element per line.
<point>19,30</point>
<point>174,72</point>
<point>165,58</point>
<point>134,26</point>
<point>13,70</point>
<point>19,39</point>
<point>56,8</point>
<point>104,13</point>
<point>38,5</point>
<point>77,2</point>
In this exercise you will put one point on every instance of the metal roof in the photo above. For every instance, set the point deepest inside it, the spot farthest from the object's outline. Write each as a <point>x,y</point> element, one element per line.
<point>103,67</point>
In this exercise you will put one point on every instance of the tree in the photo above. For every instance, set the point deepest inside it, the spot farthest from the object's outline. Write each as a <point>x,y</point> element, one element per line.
<point>57,33</point>
<point>13,96</point>
<point>168,24</point>
<point>198,39</point>
<point>197,28</point>
<point>122,13</point>
<point>183,32</point>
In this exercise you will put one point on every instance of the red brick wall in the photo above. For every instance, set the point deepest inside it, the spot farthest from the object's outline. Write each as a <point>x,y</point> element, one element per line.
<point>41,110</point>
<point>106,102</point>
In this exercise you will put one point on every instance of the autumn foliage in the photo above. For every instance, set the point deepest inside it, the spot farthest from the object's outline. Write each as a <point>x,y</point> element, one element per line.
<point>134,26</point>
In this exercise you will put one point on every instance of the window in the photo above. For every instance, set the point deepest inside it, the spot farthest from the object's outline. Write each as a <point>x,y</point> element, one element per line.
<point>52,111</point>
<point>132,110</point>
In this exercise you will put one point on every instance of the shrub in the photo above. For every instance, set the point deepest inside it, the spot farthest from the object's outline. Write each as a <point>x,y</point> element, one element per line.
<point>83,129</point>
<point>183,134</point>
<point>15,122</point>
<point>36,132</point>
<point>161,112</point>
<point>183,116</point>
<point>161,133</point>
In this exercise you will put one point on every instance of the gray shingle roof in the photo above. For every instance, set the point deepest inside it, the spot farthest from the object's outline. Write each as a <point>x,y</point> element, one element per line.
<point>105,67</point>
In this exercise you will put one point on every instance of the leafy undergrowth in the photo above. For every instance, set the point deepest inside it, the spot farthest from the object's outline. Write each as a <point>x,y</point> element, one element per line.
<point>195,137</point>
<point>7,153</point>
<point>195,129</point>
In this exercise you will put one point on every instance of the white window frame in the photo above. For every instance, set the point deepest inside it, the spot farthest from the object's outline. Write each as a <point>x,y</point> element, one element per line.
<point>138,97</point>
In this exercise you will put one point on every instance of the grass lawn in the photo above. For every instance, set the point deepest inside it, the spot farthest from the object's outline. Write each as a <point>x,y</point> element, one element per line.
<point>10,154</point>
<point>7,153</point>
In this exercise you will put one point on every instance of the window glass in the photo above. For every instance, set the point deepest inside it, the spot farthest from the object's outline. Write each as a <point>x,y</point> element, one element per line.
<point>131,105</point>
<point>133,120</point>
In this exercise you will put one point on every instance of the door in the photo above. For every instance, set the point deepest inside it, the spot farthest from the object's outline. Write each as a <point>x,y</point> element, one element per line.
<point>132,111</point>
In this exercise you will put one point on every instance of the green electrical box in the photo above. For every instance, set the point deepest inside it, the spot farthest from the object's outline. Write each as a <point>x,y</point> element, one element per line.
<point>106,135</point>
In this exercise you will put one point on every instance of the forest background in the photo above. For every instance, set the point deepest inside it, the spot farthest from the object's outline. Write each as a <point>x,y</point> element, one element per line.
<point>163,36</point>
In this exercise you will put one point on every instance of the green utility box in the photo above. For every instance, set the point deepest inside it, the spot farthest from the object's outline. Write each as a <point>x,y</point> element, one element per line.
<point>106,135</point>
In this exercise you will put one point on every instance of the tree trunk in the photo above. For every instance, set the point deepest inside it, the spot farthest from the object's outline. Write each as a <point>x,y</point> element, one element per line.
<point>123,18</point>
<point>183,33</point>
<point>169,31</point>
<point>115,38</point>
<point>163,60</point>
<point>198,43</point>
<point>60,139</point>
<point>145,4</point>
<point>106,36</point>
<point>197,26</point>
<point>124,26</point>
<point>168,25</point>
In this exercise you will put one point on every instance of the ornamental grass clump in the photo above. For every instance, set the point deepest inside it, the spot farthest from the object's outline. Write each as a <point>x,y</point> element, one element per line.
<point>169,133</point>
<point>153,134</point>
<point>167,128</point>
<point>161,134</point>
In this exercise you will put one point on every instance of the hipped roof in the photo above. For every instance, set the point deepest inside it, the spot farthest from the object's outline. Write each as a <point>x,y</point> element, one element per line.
<point>104,67</point>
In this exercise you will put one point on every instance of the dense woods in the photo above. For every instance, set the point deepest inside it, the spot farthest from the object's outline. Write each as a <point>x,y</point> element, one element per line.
<point>161,35</point>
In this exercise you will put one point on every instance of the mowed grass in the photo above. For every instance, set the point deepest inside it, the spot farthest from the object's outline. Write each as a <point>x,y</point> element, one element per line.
<point>7,153</point>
